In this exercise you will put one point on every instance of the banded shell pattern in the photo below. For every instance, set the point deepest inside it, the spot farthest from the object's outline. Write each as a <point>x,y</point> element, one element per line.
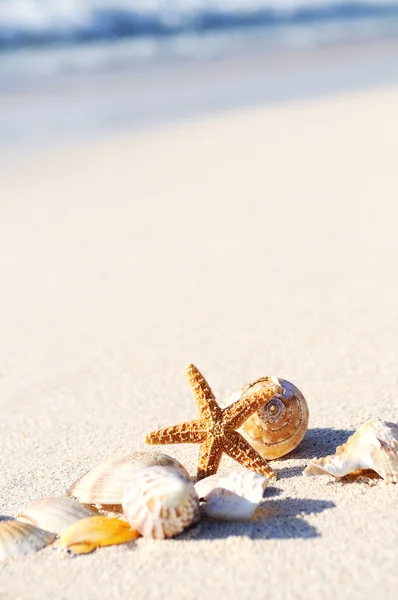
<point>53,514</point>
<point>18,538</point>
<point>280,425</point>
<point>160,503</point>
<point>105,483</point>
<point>86,535</point>
<point>373,446</point>
<point>232,498</point>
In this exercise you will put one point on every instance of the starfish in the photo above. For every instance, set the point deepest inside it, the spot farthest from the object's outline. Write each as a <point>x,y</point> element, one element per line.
<point>216,428</point>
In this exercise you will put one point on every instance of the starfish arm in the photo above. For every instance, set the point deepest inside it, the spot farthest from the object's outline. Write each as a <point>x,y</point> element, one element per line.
<point>238,412</point>
<point>210,456</point>
<point>205,400</point>
<point>187,432</point>
<point>240,450</point>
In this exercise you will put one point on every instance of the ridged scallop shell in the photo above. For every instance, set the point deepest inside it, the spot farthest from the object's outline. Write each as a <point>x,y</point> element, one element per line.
<point>159,502</point>
<point>86,535</point>
<point>21,538</point>
<point>232,498</point>
<point>53,514</point>
<point>280,425</point>
<point>373,446</point>
<point>105,483</point>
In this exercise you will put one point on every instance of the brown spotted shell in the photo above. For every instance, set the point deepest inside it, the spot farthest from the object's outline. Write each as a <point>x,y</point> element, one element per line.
<point>159,502</point>
<point>280,425</point>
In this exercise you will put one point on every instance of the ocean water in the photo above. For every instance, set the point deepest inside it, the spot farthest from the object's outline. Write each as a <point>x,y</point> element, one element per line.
<point>42,38</point>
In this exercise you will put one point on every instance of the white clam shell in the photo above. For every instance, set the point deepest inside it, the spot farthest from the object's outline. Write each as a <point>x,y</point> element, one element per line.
<point>373,446</point>
<point>105,483</point>
<point>53,514</point>
<point>159,503</point>
<point>21,538</point>
<point>231,498</point>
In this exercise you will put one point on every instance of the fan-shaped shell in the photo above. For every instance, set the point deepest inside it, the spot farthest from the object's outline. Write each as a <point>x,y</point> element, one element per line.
<point>53,514</point>
<point>373,446</point>
<point>21,538</point>
<point>280,425</point>
<point>86,535</point>
<point>231,498</point>
<point>105,483</point>
<point>159,502</point>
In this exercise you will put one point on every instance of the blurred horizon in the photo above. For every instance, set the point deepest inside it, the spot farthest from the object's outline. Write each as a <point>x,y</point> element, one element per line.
<point>70,69</point>
<point>48,38</point>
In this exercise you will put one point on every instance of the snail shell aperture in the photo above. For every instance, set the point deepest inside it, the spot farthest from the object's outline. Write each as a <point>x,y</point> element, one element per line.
<point>279,426</point>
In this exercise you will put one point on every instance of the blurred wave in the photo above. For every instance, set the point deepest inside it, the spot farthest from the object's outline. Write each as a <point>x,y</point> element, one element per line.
<point>47,38</point>
<point>26,23</point>
<point>71,68</point>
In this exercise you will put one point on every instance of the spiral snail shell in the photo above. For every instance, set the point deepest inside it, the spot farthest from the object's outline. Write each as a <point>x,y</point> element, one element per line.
<point>280,425</point>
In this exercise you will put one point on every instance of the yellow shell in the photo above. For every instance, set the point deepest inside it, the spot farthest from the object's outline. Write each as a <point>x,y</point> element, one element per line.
<point>86,535</point>
<point>280,425</point>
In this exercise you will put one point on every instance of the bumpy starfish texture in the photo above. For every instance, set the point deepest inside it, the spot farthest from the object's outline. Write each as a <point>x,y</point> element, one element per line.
<point>215,428</point>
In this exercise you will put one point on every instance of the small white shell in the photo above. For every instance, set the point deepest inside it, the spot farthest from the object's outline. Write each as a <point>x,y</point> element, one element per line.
<point>373,446</point>
<point>159,503</point>
<point>105,483</point>
<point>53,514</point>
<point>21,538</point>
<point>232,498</point>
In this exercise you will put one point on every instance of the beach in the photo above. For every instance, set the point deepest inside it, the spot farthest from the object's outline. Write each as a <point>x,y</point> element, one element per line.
<point>252,241</point>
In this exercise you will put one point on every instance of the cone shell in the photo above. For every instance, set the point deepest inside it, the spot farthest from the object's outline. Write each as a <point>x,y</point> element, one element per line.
<point>21,538</point>
<point>373,446</point>
<point>86,535</point>
<point>231,498</point>
<point>105,483</point>
<point>159,502</point>
<point>53,514</point>
<point>280,425</point>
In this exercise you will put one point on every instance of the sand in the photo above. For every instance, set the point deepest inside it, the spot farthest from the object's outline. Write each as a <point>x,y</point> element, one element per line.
<point>251,242</point>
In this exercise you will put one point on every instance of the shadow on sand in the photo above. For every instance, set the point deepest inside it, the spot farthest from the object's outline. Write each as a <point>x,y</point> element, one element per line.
<point>281,518</point>
<point>317,442</point>
<point>320,441</point>
<point>274,519</point>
